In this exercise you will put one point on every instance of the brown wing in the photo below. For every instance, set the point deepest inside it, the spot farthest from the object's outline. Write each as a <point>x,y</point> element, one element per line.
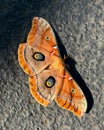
<point>37,42</point>
<point>39,89</point>
<point>42,35</point>
<point>70,97</point>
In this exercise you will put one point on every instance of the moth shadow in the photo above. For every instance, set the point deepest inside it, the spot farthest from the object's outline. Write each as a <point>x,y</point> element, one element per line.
<point>74,73</point>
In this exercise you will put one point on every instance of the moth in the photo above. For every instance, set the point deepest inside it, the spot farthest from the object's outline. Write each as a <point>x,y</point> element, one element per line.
<point>48,78</point>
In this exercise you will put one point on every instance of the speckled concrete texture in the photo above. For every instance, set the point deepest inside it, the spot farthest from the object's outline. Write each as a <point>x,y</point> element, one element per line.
<point>80,26</point>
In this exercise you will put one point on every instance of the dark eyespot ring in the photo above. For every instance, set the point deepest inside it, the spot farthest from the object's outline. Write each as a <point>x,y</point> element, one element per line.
<point>73,90</point>
<point>38,56</point>
<point>47,38</point>
<point>50,82</point>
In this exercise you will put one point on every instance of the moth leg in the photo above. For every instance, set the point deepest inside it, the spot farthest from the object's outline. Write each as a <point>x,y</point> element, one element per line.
<point>22,60</point>
<point>34,92</point>
<point>66,57</point>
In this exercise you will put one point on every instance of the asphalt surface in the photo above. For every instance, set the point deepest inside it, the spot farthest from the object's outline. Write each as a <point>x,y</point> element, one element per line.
<point>79,25</point>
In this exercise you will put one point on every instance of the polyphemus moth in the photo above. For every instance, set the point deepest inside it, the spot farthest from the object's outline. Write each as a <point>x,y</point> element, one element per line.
<point>48,78</point>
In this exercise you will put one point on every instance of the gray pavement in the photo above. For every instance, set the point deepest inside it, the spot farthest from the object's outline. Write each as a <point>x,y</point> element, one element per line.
<point>80,26</point>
